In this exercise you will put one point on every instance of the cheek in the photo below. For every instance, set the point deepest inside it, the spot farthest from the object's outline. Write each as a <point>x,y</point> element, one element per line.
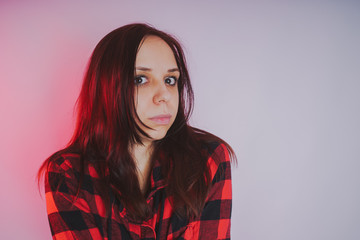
<point>142,103</point>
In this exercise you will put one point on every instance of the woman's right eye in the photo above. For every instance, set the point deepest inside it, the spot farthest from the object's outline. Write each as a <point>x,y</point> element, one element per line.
<point>139,80</point>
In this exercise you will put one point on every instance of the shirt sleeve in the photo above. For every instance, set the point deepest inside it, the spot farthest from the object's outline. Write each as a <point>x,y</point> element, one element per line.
<point>70,216</point>
<point>214,222</point>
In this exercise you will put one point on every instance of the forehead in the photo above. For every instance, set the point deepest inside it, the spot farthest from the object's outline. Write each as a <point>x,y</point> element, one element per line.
<point>155,52</point>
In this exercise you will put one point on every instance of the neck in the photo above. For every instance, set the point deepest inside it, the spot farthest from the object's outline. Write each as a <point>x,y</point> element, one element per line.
<point>142,157</point>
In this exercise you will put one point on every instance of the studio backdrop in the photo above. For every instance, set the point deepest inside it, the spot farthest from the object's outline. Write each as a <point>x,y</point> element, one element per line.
<point>278,80</point>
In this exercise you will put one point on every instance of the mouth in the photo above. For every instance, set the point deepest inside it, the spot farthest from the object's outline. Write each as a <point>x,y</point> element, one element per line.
<point>163,119</point>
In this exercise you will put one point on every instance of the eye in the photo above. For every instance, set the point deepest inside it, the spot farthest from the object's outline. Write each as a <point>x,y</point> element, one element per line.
<point>140,80</point>
<point>171,81</point>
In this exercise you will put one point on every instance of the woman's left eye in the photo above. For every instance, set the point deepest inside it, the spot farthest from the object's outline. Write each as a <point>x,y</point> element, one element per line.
<point>171,81</point>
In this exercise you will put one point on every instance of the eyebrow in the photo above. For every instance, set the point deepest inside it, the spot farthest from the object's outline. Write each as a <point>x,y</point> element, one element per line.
<point>149,69</point>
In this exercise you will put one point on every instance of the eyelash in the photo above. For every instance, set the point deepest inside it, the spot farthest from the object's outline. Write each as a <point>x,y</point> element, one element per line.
<point>138,80</point>
<point>140,77</point>
<point>173,78</point>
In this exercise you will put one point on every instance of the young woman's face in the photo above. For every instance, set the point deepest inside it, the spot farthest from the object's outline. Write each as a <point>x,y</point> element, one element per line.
<point>156,92</point>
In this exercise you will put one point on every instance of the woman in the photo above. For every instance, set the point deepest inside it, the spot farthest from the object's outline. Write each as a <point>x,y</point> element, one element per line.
<point>134,168</point>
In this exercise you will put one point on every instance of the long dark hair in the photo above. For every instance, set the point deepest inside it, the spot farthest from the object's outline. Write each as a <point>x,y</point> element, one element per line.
<point>106,127</point>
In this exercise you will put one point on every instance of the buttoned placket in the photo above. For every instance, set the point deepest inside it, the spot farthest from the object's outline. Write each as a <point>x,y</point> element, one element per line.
<point>147,228</point>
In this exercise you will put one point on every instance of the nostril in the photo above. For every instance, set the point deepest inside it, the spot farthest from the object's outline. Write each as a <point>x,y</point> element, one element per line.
<point>162,95</point>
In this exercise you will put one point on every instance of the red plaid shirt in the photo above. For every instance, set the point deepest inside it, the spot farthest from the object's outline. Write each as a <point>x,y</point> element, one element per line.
<point>84,218</point>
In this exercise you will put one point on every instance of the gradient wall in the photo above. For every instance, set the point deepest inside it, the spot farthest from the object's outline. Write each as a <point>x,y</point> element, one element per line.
<point>278,80</point>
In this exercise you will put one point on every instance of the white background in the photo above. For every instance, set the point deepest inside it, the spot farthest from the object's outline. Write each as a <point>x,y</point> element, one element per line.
<point>278,80</point>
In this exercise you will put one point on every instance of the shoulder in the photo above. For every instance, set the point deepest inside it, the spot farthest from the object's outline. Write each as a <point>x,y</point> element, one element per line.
<point>70,163</point>
<point>218,151</point>
<point>218,159</point>
<point>212,146</point>
<point>68,169</point>
<point>63,163</point>
<point>62,168</point>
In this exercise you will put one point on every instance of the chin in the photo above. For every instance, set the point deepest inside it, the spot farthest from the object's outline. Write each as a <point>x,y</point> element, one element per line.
<point>157,135</point>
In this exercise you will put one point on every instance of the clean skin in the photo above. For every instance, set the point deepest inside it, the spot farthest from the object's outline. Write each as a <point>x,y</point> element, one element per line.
<point>156,98</point>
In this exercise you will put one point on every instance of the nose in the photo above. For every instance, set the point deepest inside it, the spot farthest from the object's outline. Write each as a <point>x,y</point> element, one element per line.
<point>162,94</point>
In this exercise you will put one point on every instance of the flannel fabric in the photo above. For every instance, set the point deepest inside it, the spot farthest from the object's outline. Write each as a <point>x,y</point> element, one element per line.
<point>84,217</point>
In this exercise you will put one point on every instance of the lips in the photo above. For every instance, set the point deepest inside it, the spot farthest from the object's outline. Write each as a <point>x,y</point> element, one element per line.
<point>162,119</point>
